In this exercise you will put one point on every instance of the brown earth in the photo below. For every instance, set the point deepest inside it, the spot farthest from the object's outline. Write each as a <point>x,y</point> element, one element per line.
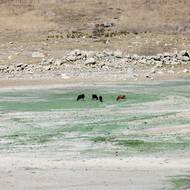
<point>139,26</point>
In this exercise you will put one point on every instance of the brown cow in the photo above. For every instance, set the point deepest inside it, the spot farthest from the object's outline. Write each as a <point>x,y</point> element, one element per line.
<point>121,97</point>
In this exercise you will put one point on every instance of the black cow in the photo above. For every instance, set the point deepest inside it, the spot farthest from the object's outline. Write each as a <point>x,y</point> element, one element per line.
<point>80,97</point>
<point>94,97</point>
<point>100,98</point>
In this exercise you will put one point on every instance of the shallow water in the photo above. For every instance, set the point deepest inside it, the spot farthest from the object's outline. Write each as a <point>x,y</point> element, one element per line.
<point>52,119</point>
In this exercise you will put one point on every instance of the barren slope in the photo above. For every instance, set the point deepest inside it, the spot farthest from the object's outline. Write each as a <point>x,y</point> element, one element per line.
<point>165,22</point>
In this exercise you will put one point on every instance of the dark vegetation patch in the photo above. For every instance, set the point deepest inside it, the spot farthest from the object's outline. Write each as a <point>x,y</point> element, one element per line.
<point>103,139</point>
<point>181,182</point>
<point>147,146</point>
<point>142,145</point>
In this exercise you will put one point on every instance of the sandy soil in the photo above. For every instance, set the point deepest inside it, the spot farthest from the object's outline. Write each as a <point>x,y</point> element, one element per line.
<point>85,78</point>
<point>34,171</point>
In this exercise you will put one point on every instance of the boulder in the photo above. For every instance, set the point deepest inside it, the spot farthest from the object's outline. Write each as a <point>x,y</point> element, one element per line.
<point>76,55</point>
<point>47,68</point>
<point>136,57</point>
<point>183,58</point>
<point>167,55</point>
<point>58,62</point>
<point>153,71</point>
<point>118,54</point>
<point>143,61</point>
<point>90,61</point>
<point>47,61</point>
<point>10,57</point>
<point>77,52</point>
<point>156,58</point>
<point>171,72</point>
<point>71,58</point>
<point>38,55</point>
<point>21,66</point>
<point>186,71</point>
<point>184,53</point>
<point>108,24</point>
<point>159,64</point>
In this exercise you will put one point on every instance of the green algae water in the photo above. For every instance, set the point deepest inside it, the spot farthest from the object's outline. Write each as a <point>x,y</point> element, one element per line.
<point>155,117</point>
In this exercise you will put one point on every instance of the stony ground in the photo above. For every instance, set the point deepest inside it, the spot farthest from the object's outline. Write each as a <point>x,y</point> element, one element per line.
<point>75,39</point>
<point>85,64</point>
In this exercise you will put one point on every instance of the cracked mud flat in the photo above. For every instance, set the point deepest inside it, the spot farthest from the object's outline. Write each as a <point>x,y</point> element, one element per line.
<point>48,140</point>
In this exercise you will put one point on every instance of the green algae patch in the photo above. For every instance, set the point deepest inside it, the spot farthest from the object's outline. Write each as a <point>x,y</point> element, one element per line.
<point>58,99</point>
<point>143,146</point>
<point>33,136</point>
<point>102,139</point>
<point>54,118</point>
<point>147,146</point>
<point>180,182</point>
<point>132,143</point>
<point>43,138</point>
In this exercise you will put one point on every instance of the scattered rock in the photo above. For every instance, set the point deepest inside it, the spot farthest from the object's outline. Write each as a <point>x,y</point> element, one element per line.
<point>90,61</point>
<point>159,64</point>
<point>72,58</point>
<point>171,71</point>
<point>58,62</point>
<point>103,65</point>
<point>19,64</point>
<point>47,61</point>
<point>107,60</point>
<point>185,71</point>
<point>37,55</point>
<point>148,76</point>
<point>118,54</point>
<point>64,76</point>
<point>47,68</point>
<point>10,57</point>
<point>183,58</point>
<point>108,24</point>
<point>184,53</point>
<point>153,71</point>
<point>20,67</point>
<point>77,52</point>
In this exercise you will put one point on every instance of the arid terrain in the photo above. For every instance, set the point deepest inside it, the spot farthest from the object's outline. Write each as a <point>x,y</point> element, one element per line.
<point>53,28</point>
<point>53,50</point>
<point>135,26</point>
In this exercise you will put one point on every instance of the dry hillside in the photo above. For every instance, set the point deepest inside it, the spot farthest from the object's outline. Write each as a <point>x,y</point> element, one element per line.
<point>142,26</point>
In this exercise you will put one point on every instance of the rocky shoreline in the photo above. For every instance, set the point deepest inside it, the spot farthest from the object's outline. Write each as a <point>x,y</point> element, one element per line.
<point>78,63</point>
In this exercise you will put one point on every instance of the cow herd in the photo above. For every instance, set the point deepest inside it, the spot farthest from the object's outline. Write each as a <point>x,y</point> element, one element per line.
<point>99,98</point>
